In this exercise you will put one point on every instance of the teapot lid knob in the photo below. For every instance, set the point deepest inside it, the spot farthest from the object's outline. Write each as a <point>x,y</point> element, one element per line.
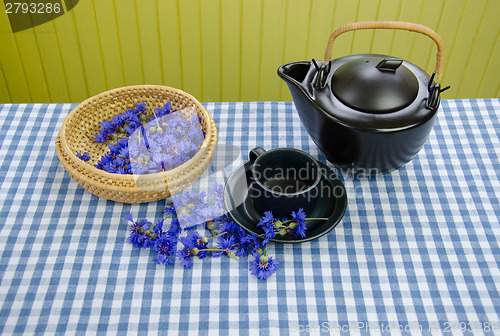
<point>389,64</point>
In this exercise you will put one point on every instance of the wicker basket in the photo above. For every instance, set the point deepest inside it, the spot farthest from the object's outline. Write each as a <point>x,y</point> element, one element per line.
<point>82,123</point>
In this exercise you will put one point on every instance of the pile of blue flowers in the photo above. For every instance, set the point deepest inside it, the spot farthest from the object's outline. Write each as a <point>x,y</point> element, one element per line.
<point>141,143</point>
<point>225,236</point>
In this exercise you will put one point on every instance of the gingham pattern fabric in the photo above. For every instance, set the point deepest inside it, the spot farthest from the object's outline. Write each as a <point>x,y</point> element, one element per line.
<point>416,253</point>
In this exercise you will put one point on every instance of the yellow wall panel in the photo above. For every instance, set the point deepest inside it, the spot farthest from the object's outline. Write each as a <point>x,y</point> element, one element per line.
<point>230,36</point>
<point>363,39</point>
<point>4,89</point>
<point>383,40</point>
<point>403,43</point>
<point>211,49</point>
<point>344,12</point>
<point>50,56</point>
<point>463,43</point>
<point>229,50</point>
<point>477,62</point>
<point>490,83</point>
<point>320,27</point>
<point>34,69</point>
<point>424,49</point>
<point>250,49</point>
<point>71,58</point>
<point>296,39</point>
<point>271,57</point>
<point>128,37</point>
<point>90,46</point>
<point>190,36</point>
<point>110,48</point>
<point>170,44</point>
<point>149,40</point>
<point>16,84</point>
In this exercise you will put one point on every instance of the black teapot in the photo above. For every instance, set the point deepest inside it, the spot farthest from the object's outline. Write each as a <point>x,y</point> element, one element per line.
<point>368,113</point>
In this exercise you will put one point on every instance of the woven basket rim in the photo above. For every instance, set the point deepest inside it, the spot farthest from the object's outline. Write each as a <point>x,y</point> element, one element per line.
<point>130,177</point>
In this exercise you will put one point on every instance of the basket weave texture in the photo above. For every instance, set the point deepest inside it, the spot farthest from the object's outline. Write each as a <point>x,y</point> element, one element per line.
<point>83,122</point>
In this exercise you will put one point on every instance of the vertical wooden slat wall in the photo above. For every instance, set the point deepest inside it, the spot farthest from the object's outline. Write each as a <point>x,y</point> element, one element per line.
<point>229,50</point>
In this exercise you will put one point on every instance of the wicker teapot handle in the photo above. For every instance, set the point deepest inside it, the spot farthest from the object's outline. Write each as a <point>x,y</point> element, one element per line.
<point>390,25</point>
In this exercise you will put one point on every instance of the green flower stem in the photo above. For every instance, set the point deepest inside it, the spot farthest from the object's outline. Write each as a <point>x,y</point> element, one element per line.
<point>293,220</point>
<point>217,235</point>
<point>216,249</point>
<point>211,249</point>
<point>152,110</point>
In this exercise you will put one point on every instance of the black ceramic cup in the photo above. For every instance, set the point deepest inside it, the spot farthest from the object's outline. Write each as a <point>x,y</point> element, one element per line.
<point>284,180</point>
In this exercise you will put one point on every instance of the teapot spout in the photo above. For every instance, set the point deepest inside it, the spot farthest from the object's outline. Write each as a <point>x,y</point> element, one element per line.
<point>299,76</point>
<point>295,72</point>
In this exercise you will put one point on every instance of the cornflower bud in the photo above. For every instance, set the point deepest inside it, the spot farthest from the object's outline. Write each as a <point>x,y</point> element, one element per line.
<point>211,225</point>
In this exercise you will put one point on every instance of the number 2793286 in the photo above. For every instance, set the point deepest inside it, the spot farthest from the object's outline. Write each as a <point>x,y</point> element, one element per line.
<point>33,8</point>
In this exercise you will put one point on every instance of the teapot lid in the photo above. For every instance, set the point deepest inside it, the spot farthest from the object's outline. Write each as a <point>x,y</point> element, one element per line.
<point>375,84</point>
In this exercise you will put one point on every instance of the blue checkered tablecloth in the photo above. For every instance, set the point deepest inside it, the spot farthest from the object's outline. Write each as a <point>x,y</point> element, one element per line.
<point>416,253</point>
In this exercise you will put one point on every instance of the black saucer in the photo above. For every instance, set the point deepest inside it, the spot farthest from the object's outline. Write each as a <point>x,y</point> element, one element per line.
<point>332,205</point>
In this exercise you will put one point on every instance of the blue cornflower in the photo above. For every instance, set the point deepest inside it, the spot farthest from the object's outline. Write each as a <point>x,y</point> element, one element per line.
<point>138,237</point>
<point>118,120</point>
<point>202,214</point>
<point>161,111</point>
<point>124,151</point>
<point>263,266</point>
<point>175,144</point>
<point>108,126</point>
<point>232,229</point>
<point>190,242</point>
<point>175,227</point>
<point>218,193</point>
<point>300,219</point>
<point>85,156</point>
<point>122,143</point>
<point>195,240</point>
<point>227,244</point>
<point>248,245</point>
<point>266,219</point>
<point>158,227</point>
<point>138,169</point>
<point>121,161</point>
<point>140,108</point>
<point>101,136</point>
<point>138,226</point>
<point>169,209</point>
<point>165,245</point>
<point>269,234</point>
<point>129,115</point>
<point>185,257</point>
<point>267,224</point>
